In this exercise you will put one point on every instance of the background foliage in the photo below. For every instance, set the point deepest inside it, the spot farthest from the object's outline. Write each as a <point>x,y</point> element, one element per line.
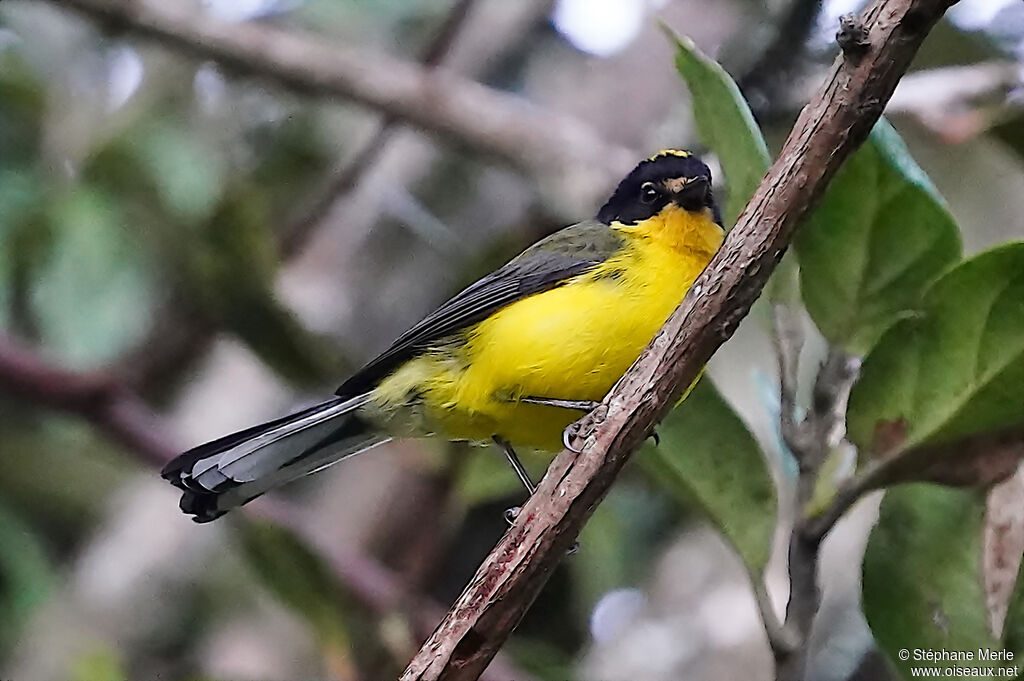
<point>227,249</point>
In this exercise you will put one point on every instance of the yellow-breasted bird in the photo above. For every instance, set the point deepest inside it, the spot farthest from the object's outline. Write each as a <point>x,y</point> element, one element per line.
<point>515,357</point>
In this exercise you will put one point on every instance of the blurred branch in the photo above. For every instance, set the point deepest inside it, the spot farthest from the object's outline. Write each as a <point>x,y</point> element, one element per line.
<point>100,398</point>
<point>296,232</point>
<point>773,67</point>
<point>434,100</point>
<point>828,130</point>
<point>177,337</point>
<point>788,342</point>
<point>780,639</point>
<point>377,588</point>
<point>958,103</point>
<point>810,439</point>
<point>104,400</point>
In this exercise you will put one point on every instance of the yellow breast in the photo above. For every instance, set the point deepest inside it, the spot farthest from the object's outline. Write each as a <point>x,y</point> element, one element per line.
<point>572,342</point>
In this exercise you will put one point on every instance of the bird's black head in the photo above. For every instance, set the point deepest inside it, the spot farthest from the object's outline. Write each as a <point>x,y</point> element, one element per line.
<point>670,176</point>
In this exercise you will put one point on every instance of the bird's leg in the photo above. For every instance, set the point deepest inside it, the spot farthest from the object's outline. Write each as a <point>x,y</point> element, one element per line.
<point>521,473</point>
<point>524,477</point>
<point>578,405</point>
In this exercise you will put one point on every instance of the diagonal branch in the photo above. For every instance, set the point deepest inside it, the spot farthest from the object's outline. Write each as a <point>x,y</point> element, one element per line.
<point>434,100</point>
<point>836,121</point>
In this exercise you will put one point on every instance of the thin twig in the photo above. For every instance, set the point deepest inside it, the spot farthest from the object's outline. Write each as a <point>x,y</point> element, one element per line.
<point>828,130</point>
<point>181,334</point>
<point>788,341</point>
<point>976,460</point>
<point>830,394</point>
<point>820,431</point>
<point>780,640</point>
<point>817,527</point>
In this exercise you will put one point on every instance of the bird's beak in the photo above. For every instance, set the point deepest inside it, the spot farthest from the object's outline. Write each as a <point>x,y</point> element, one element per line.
<point>689,192</point>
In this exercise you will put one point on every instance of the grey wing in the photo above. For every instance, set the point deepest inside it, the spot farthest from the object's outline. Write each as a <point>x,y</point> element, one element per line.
<point>547,264</point>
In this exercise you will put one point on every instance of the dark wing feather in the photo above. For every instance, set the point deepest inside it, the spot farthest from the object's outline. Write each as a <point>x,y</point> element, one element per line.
<point>547,264</point>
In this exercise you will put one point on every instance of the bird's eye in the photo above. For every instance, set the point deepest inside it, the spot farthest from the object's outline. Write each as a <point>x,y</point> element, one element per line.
<point>648,192</point>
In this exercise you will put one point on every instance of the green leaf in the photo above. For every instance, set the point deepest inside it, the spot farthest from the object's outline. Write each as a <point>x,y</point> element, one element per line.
<point>922,585</point>
<point>188,174</point>
<point>724,123</point>
<point>26,243</point>
<point>26,575</point>
<point>953,369</point>
<point>881,234</point>
<point>540,658</point>
<point>229,269</point>
<point>23,102</point>
<point>708,458</point>
<point>93,297</point>
<point>1013,627</point>
<point>99,663</point>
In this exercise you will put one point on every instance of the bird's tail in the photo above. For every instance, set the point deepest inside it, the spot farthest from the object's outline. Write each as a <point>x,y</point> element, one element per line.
<point>226,473</point>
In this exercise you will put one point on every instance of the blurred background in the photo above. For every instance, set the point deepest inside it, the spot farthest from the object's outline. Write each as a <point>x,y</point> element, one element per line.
<point>211,211</point>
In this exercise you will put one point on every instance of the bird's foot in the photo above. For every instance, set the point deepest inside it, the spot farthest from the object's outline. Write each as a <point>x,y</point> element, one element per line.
<point>583,428</point>
<point>569,434</point>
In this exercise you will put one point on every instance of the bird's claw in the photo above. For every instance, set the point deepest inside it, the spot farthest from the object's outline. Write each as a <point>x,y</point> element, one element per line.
<point>583,428</point>
<point>654,436</point>
<point>569,434</point>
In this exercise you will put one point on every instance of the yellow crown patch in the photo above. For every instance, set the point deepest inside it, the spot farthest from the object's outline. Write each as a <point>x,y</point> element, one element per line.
<point>670,152</point>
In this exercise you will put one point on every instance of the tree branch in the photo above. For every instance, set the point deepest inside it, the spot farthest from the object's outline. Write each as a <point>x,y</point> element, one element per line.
<point>434,100</point>
<point>828,130</point>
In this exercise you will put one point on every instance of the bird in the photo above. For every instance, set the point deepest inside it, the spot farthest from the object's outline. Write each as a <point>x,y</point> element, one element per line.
<point>515,358</point>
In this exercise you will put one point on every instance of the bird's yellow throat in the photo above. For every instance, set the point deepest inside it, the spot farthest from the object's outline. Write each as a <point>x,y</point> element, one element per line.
<point>572,342</point>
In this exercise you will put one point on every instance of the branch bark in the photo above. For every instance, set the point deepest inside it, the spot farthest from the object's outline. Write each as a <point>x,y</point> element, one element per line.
<point>434,100</point>
<point>827,131</point>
